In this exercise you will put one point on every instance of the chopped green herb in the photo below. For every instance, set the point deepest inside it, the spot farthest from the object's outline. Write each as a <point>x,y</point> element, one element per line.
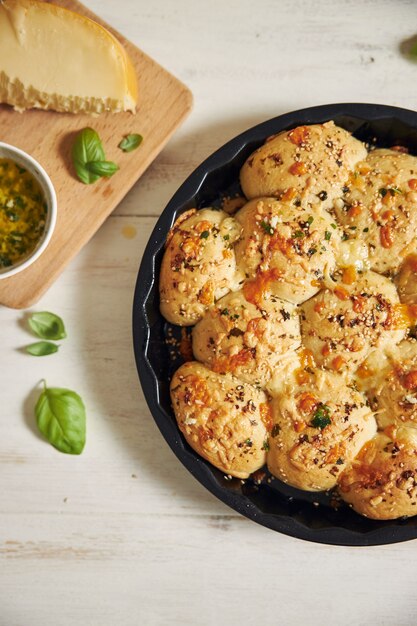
<point>267,227</point>
<point>204,234</point>
<point>392,190</point>
<point>19,202</point>
<point>333,226</point>
<point>298,234</point>
<point>327,235</point>
<point>5,261</point>
<point>248,442</point>
<point>13,217</point>
<point>226,237</point>
<point>321,417</point>
<point>265,445</point>
<point>365,230</point>
<point>310,220</point>
<point>224,312</point>
<point>311,251</point>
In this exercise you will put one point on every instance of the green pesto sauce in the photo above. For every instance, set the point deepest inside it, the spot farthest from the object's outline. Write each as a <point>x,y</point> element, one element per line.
<point>23,212</point>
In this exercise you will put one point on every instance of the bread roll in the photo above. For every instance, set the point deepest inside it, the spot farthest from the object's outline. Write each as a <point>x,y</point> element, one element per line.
<point>380,207</point>
<point>198,266</point>
<point>222,419</point>
<point>394,395</point>
<point>247,340</point>
<point>406,280</point>
<point>318,429</point>
<point>382,482</point>
<point>340,325</point>
<point>308,164</point>
<point>285,249</point>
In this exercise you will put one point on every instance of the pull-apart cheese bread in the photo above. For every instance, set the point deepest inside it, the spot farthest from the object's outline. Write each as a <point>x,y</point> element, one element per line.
<point>304,307</point>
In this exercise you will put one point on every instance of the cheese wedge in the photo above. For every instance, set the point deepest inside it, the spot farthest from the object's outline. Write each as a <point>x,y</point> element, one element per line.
<point>53,58</point>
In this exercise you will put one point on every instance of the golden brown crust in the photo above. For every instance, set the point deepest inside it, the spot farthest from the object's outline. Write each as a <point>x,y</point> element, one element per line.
<point>314,161</point>
<point>176,225</point>
<point>406,280</point>
<point>237,336</point>
<point>380,207</point>
<point>198,266</point>
<point>286,248</point>
<point>318,428</point>
<point>221,418</point>
<point>341,324</point>
<point>382,482</point>
<point>393,395</point>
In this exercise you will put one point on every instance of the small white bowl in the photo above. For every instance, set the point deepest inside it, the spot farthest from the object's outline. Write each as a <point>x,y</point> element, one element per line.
<point>25,160</point>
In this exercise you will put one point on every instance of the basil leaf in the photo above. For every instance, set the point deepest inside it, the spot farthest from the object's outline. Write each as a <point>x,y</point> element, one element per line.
<point>47,325</point>
<point>60,415</point>
<point>130,142</point>
<point>102,168</point>
<point>413,51</point>
<point>87,147</point>
<point>42,348</point>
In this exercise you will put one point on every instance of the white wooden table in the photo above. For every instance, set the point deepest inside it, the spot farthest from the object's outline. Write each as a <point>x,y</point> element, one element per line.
<point>123,535</point>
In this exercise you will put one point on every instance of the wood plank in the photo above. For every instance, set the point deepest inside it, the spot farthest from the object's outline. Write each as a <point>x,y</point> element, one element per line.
<point>48,136</point>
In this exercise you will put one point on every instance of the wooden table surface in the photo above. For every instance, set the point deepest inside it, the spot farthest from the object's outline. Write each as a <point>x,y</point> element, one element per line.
<point>123,535</point>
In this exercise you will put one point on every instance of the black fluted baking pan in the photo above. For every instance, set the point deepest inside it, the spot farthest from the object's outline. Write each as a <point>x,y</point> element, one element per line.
<point>309,516</point>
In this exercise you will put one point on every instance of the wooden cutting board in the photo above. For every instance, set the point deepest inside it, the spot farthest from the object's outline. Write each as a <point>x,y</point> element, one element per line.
<point>164,102</point>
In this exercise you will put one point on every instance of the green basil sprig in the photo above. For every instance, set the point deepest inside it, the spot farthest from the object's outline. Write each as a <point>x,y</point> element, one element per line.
<point>47,325</point>
<point>61,418</point>
<point>130,142</point>
<point>42,348</point>
<point>88,157</point>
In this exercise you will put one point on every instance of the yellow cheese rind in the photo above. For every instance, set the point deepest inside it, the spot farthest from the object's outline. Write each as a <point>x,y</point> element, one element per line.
<point>21,99</point>
<point>53,58</point>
